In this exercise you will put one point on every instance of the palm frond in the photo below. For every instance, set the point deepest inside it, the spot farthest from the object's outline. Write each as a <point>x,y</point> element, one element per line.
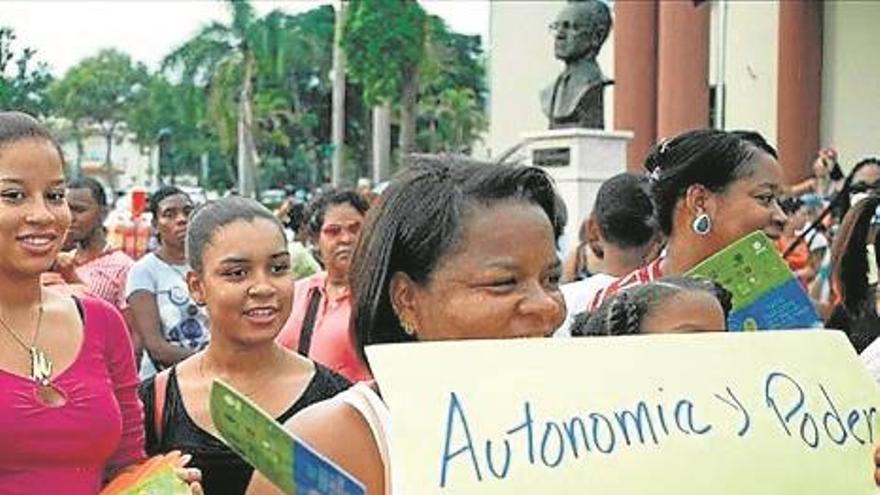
<point>198,57</point>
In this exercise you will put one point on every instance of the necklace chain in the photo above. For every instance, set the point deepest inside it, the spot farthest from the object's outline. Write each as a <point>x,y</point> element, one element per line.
<point>41,365</point>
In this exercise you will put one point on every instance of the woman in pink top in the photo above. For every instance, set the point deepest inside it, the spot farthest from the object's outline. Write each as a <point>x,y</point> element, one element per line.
<point>324,299</point>
<point>69,412</point>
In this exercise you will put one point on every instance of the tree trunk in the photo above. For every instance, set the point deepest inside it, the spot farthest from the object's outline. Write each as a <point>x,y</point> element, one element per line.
<point>432,133</point>
<point>409,110</point>
<point>108,161</point>
<point>338,131</point>
<point>229,164</point>
<point>80,148</point>
<point>247,148</point>
<point>381,142</point>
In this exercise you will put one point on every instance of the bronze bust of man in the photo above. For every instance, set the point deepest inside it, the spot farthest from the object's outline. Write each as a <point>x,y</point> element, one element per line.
<point>576,97</point>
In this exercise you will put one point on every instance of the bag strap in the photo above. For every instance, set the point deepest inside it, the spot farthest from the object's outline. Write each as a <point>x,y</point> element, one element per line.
<point>161,386</point>
<point>308,327</point>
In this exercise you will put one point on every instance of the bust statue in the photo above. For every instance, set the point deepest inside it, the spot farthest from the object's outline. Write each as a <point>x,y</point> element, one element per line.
<point>576,97</point>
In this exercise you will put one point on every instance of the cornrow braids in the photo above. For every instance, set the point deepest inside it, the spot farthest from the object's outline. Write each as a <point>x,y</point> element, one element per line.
<point>624,313</point>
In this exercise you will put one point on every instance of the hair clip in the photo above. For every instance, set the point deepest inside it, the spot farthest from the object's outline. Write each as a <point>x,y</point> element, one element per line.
<point>664,145</point>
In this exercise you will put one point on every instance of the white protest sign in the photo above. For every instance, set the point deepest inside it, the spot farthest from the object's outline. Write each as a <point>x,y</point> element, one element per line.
<point>745,413</point>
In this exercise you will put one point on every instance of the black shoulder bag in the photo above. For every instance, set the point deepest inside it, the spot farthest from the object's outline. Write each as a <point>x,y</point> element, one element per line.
<point>308,326</point>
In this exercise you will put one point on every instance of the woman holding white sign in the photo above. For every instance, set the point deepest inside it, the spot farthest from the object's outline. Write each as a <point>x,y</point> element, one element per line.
<point>453,251</point>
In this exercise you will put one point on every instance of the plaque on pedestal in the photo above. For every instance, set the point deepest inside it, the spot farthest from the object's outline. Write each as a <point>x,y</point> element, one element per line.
<point>579,160</point>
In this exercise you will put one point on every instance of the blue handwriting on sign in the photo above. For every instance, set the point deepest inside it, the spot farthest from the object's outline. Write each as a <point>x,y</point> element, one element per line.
<point>787,399</point>
<point>551,442</point>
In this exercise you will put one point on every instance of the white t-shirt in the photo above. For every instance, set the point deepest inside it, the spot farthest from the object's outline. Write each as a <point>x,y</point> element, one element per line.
<point>577,296</point>
<point>183,323</point>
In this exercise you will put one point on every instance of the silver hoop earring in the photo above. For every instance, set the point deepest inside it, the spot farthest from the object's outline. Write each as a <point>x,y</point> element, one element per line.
<point>702,224</point>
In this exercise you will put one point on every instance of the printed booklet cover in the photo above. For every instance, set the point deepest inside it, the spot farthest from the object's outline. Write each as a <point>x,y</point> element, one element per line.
<point>286,461</point>
<point>155,476</point>
<point>766,294</point>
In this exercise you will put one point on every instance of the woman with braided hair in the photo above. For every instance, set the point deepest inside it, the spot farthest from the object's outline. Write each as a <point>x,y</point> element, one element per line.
<point>669,305</point>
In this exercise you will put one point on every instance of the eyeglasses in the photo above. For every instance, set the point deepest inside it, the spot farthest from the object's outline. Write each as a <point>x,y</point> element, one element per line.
<point>567,26</point>
<point>335,230</point>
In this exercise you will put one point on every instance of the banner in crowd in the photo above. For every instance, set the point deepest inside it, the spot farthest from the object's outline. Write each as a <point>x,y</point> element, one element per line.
<point>766,294</point>
<point>755,412</point>
<point>289,463</point>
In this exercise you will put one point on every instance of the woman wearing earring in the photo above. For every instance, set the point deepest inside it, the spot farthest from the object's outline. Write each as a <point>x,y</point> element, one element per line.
<point>69,413</point>
<point>710,188</point>
<point>169,323</point>
<point>241,275</point>
<point>451,252</point>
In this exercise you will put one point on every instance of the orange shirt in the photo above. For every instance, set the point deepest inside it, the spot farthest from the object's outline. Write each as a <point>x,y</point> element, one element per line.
<point>332,338</point>
<point>799,258</point>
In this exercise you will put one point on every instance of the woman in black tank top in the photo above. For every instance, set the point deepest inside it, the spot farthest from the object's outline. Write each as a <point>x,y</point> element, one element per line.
<point>240,264</point>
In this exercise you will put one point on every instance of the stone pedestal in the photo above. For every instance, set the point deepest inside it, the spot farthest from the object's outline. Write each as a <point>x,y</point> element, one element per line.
<point>579,160</point>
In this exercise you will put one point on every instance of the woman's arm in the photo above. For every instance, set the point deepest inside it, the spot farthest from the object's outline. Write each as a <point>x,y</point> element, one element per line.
<point>145,322</point>
<point>338,431</point>
<point>119,360</point>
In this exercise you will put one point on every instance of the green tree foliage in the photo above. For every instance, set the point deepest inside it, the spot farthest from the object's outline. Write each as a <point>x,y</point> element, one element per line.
<point>384,44</point>
<point>453,94</point>
<point>23,80</point>
<point>175,113</point>
<point>193,100</point>
<point>221,58</point>
<point>382,40</point>
<point>98,93</point>
<point>291,93</point>
<point>453,120</point>
<point>402,55</point>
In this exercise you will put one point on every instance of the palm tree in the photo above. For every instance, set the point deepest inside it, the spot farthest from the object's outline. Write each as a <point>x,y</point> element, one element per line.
<point>221,56</point>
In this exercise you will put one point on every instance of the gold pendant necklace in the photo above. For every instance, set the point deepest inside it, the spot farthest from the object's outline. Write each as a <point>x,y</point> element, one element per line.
<point>41,365</point>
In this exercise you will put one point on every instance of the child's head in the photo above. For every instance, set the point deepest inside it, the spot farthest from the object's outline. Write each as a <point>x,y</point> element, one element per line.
<point>670,305</point>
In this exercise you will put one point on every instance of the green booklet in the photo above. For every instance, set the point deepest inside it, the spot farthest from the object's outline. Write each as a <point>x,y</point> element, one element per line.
<point>766,294</point>
<point>289,463</point>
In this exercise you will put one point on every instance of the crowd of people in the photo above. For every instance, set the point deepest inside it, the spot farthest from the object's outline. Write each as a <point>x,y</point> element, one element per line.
<point>116,356</point>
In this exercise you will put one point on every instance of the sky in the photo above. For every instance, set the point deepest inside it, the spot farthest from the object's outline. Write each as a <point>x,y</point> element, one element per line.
<point>65,32</point>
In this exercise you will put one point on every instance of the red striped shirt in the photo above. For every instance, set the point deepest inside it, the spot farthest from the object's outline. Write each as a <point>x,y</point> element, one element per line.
<point>643,275</point>
<point>105,276</point>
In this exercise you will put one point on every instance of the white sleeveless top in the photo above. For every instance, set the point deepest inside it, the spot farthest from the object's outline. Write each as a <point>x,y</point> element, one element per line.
<point>365,401</point>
